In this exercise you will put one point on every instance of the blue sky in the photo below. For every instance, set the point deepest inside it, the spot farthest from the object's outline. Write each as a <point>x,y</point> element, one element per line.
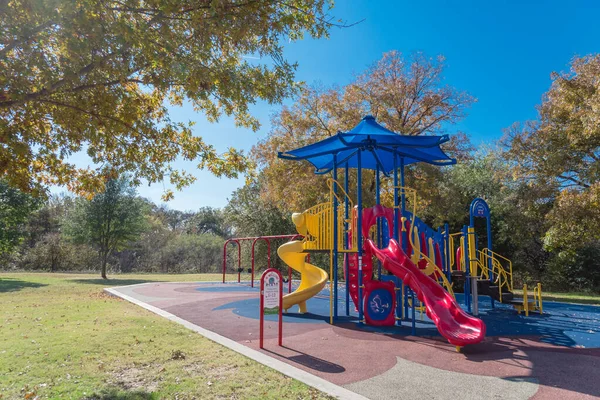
<point>501,52</point>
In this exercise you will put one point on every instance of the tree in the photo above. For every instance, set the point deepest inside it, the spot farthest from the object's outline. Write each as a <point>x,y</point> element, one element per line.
<point>208,220</point>
<point>561,150</point>
<point>109,221</point>
<point>250,215</point>
<point>98,76</point>
<point>15,208</point>
<point>405,94</point>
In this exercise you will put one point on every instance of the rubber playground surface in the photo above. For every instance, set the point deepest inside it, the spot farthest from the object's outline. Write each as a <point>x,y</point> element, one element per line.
<point>549,356</point>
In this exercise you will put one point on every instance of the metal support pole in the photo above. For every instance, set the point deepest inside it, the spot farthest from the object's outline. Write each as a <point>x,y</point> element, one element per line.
<point>467,269</point>
<point>359,235</point>
<point>447,251</point>
<point>475,295</point>
<point>335,239</point>
<point>412,299</point>
<point>403,204</point>
<point>346,238</point>
<point>379,240</point>
<point>397,219</point>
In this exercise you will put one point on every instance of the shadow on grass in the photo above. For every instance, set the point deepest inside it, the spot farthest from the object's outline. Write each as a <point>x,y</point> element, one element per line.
<point>14,285</point>
<point>116,394</point>
<point>113,282</point>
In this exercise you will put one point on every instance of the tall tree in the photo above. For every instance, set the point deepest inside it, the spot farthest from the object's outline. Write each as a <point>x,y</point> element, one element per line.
<point>561,149</point>
<point>208,220</point>
<point>405,93</point>
<point>109,221</point>
<point>98,76</point>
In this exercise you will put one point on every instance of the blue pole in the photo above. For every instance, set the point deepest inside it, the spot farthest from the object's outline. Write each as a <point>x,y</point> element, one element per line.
<point>335,239</point>
<point>447,251</point>
<point>412,297</point>
<point>489,241</point>
<point>406,289</point>
<point>359,234</point>
<point>346,215</point>
<point>379,225</point>
<point>403,204</point>
<point>397,220</point>
<point>402,183</point>
<point>465,231</point>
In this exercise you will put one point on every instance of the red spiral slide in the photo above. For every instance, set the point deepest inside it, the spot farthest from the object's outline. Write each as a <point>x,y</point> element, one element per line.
<point>452,322</point>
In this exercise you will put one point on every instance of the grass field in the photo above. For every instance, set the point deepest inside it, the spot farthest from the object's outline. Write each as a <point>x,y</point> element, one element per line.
<point>62,337</point>
<point>581,298</point>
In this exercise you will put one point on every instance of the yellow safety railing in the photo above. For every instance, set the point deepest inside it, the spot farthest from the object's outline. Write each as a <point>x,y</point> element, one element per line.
<point>536,305</point>
<point>344,224</point>
<point>455,264</point>
<point>537,296</point>
<point>319,223</point>
<point>491,262</point>
<point>432,268</point>
<point>319,219</point>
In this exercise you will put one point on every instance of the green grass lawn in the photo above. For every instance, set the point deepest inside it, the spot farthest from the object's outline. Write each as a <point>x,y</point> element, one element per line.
<point>582,298</point>
<point>62,337</point>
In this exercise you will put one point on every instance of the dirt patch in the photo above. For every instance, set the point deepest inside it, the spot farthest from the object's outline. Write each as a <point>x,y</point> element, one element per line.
<point>102,295</point>
<point>221,372</point>
<point>134,378</point>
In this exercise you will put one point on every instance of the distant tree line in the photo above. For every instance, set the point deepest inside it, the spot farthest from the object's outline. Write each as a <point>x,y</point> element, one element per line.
<point>116,231</point>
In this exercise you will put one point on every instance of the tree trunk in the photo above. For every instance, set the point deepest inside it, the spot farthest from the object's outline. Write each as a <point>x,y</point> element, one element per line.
<point>103,261</point>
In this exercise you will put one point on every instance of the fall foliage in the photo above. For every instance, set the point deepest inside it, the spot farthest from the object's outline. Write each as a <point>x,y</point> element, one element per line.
<point>98,76</point>
<point>404,93</point>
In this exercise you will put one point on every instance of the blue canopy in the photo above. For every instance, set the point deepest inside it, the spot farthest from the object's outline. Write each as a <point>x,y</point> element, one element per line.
<point>377,146</point>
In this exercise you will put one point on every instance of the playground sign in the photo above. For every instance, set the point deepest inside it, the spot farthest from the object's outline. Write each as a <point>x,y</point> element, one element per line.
<point>271,294</point>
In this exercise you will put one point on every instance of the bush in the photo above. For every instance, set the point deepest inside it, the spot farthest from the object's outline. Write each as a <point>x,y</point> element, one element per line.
<point>575,270</point>
<point>191,253</point>
<point>53,253</point>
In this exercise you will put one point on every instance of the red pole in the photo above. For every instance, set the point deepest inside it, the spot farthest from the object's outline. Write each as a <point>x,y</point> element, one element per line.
<point>280,310</point>
<point>239,245</point>
<point>224,258</point>
<point>262,311</point>
<point>252,271</point>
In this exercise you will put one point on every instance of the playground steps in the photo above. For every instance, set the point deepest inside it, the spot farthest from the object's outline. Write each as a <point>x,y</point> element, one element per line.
<point>519,304</point>
<point>484,287</point>
<point>494,293</point>
<point>458,281</point>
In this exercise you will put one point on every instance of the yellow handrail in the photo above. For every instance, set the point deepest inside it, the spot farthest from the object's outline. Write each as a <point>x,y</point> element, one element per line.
<point>537,295</point>
<point>498,268</point>
<point>319,222</point>
<point>503,277</point>
<point>417,249</point>
<point>344,224</point>
<point>453,262</point>
<point>496,256</point>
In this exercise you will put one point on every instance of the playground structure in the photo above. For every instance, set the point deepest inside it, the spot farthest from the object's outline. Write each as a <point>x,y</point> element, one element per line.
<point>252,269</point>
<point>424,266</point>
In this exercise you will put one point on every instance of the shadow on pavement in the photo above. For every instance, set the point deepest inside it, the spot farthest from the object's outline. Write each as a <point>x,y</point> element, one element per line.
<point>311,362</point>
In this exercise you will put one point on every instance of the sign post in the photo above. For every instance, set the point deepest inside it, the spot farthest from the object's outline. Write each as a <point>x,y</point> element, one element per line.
<point>271,294</point>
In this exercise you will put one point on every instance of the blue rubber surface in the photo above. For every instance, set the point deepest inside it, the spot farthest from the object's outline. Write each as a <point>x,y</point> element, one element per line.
<point>562,324</point>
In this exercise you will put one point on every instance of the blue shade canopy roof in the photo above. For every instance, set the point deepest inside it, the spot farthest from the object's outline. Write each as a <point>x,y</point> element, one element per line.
<point>377,147</point>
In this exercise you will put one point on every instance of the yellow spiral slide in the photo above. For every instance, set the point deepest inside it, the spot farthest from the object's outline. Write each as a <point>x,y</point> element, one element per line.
<point>312,278</point>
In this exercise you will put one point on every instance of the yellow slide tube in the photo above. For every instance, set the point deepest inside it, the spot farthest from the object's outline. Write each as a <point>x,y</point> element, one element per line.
<point>312,278</point>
